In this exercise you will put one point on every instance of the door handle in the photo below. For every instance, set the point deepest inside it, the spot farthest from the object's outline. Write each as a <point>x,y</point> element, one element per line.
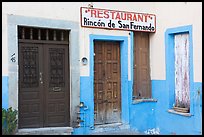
<point>56,89</point>
<point>41,78</point>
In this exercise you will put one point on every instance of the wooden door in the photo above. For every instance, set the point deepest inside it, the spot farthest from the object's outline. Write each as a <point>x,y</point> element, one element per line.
<point>30,89</point>
<point>107,82</point>
<point>44,84</point>
<point>142,82</point>
<point>56,85</point>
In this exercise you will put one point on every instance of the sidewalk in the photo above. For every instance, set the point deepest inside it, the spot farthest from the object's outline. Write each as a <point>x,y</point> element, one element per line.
<point>118,132</point>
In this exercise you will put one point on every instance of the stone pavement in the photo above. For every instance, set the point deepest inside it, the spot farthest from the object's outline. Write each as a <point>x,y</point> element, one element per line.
<point>118,132</point>
<point>46,131</point>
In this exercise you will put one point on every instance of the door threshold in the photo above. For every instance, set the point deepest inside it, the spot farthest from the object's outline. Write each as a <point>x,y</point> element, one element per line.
<point>111,127</point>
<point>108,125</point>
<point>45,131</point>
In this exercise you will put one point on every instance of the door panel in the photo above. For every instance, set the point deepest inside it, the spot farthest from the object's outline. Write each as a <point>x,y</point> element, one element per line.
<point>142,82</point>
<point>107,99</point>
<point>44,85</point>
<point>30,89</point>
<point>99,82</point>
<point>56,85</point>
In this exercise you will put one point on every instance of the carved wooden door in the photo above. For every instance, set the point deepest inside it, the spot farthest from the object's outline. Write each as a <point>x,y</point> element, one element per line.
<point>56,85</point>
<point>43,83</point>
<point>107,82</point>
<point>30,89</point>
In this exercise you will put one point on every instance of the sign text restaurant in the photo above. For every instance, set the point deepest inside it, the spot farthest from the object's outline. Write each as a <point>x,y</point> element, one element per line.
<point>112,19</point>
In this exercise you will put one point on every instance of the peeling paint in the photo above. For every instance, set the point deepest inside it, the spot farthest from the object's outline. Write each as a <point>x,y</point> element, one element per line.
<point>153,131</point>
<point>182,81</point>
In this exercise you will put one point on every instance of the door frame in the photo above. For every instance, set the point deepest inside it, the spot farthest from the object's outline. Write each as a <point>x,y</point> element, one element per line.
<point>43,46</point>
<point>125,96</point>
<point>169,50</point>
<point>13,21</point>
<point>116,46</point>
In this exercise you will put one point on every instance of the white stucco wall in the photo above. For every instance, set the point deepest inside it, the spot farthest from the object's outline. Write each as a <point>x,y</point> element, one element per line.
<point>65,11</point>
<point>84,51</point>
<point>4,46</point>
<point>121,6</point>
<point>168,15</point>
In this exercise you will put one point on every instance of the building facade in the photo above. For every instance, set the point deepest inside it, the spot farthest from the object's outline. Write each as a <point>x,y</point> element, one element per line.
<point>94,67</point>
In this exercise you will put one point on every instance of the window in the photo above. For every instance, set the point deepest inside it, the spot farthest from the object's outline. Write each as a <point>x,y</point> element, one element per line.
<point>182,81</point>
<point>141,67</point>
<point>179,69</point>
<point>34,33</point>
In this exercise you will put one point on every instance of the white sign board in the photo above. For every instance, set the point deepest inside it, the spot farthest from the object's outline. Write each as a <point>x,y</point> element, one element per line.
<point>113,19</point>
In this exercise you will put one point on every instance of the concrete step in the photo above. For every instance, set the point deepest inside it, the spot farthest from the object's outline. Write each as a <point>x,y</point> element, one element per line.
<point>118,132</point>
<point>46,131</point>
<point>108,128</point>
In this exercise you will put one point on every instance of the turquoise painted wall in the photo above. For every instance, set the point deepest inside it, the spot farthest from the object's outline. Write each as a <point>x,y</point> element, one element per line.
<point>154,115</point>
<point>5,92</point>
<point>87,89</point>
<point>142,116</point>
<point>170,123</point>
<point>146,115</point>
<point>149,115</point>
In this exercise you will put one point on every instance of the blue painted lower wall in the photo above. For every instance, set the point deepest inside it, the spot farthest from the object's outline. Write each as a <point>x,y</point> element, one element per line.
<point>87,96</point>
<point>149,115</point>
<point>5,92</point>
<point>142,116</point>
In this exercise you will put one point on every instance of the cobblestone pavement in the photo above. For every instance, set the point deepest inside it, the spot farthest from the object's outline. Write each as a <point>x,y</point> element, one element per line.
<point>118,132</point>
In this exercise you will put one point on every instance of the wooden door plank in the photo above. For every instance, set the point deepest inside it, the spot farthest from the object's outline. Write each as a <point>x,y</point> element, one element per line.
<point>30,89</point>
<point>56,86</point>
<point>107,98</point>
<point>142,81</point>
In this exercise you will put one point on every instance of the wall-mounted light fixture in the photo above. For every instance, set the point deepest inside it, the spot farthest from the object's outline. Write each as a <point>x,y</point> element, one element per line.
<point>90,5</point>
<point>79,120</point>
<point>81,105</point>
<point>84,61</point>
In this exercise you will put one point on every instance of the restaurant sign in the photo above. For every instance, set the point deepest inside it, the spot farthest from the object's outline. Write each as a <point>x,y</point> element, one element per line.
<point>113,19</point>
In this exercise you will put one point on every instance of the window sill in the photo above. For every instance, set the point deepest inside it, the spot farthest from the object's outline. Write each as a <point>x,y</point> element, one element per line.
<point>179,113</point>
<point>136,101</point>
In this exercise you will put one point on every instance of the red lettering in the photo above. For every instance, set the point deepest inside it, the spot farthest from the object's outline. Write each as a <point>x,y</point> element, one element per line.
<point>112,13</point>
<point>123,16</point>
<point>135,17</point>
<point>146,18</point>
<point>129,16</point>
<point>140,17</point>
<point>93,12</point>
<point>117,16</point>
<point>106,15</point>
<point>100,13</point>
